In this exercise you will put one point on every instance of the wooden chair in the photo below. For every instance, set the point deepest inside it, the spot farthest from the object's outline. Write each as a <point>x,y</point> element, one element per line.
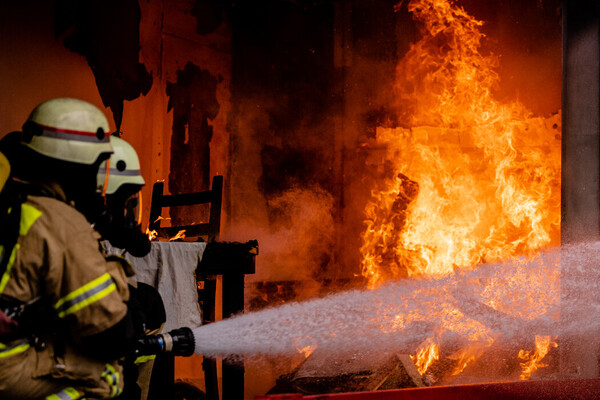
<point>232,273</point>
<point>210,230</point>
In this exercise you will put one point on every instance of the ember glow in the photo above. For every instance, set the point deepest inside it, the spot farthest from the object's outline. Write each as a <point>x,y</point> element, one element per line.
<point>471,180</point>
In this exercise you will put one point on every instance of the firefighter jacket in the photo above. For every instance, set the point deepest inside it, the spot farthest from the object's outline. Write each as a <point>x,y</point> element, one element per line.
<point>58,260</point>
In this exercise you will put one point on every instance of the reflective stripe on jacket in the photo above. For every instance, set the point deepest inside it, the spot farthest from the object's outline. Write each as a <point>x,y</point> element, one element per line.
<point>58,257</point>
<point>85,295</point>
<point>14,348</point>
<point>66,394</point>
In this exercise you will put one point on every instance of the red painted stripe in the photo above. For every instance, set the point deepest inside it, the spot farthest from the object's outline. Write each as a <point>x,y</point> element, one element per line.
<point>70,131</point>
<point>570,389</point>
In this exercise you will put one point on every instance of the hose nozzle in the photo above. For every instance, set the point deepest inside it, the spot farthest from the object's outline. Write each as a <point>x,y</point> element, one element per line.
<point>179,342</point>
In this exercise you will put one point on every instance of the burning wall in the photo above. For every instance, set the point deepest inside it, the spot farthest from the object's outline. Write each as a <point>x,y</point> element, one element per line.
<point>461,138</point>
<point>468,179</point>
<point>442,126</point>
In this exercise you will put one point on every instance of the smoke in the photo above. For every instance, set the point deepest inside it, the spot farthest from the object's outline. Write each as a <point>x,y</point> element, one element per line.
<point>297,241</point>
<point>277,193</point>
<point>303,238</point>
<point>553,293</point>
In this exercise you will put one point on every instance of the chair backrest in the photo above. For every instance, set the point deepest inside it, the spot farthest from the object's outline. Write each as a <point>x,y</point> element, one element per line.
<point>210,230</point>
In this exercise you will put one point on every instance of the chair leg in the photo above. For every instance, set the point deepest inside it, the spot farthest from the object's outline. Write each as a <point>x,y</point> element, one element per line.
<point>209,365</point>
<point>233,303</point>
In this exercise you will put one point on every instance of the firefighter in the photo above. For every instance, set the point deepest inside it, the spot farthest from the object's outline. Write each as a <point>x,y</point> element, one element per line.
<point>120,225</point>
<point>120,222</point>
<point>66,302</point>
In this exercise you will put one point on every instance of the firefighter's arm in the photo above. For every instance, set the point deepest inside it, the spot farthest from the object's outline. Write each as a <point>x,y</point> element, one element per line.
<point>91,299</point>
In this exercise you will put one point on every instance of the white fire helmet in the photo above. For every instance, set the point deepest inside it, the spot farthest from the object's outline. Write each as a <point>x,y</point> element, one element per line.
<point>69,130</point>
<point>123,168</point>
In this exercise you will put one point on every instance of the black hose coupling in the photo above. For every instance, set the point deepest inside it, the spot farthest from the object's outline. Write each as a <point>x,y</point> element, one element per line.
<point>183,341</point>
<point>179,342</point>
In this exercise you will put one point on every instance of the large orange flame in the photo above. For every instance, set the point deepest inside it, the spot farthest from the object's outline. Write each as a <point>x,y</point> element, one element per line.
<point>472,179</point>
<point>469,179</point>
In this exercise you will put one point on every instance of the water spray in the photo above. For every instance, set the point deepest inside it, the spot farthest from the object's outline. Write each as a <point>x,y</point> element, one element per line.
<point>513,300</point>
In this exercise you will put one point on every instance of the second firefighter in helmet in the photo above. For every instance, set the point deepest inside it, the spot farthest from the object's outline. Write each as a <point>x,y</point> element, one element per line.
<point>120,224</point>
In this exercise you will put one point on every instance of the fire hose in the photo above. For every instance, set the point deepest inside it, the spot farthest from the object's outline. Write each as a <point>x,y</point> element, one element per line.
<point>178,342</point>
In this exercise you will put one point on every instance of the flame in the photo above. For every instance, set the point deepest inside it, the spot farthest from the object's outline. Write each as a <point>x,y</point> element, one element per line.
<point>307,350</point>
<point>471,179</point>
<point>152,234</point>
<point>427,353</point>
<point>533,362</point>
<point>465,180</point>
<point>468,354</point>
<point>179,235</point>
<point>160,217</point>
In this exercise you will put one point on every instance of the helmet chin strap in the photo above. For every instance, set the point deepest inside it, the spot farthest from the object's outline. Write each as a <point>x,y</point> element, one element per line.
<point>106,176</point>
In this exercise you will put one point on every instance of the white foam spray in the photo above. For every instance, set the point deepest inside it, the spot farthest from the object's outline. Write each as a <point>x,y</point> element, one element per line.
<point>513,300</point>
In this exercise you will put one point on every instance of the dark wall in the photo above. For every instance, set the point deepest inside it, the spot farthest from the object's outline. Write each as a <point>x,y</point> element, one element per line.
<point>107,34</point>
<point>308,79</point>
<point>193,101</point>
<point>282,60</point>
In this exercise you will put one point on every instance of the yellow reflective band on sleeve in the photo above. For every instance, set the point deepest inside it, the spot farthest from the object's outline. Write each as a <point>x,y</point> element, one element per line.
<point>112,377</point>
<point>143,359</point>
<point>11,261</point>
<point>85,295</point>
<point>17,348</point>
<point>113,372</point>
<point>29,215</point>
<point>66,394</point>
